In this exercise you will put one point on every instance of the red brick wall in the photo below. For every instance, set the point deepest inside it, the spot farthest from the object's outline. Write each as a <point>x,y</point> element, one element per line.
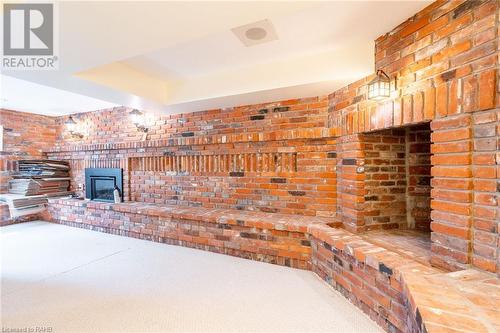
<point>247,177</point>
<point>274,157</point>
<point>385,180</point>
<point>432,81</point>
<point>26,135</point>
<point>445,59</point>
<point>286,119</point>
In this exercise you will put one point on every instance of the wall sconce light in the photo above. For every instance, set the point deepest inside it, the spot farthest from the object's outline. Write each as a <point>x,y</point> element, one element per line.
<point>71,125</point>
<point>137,118</point>
<point>380,87</point>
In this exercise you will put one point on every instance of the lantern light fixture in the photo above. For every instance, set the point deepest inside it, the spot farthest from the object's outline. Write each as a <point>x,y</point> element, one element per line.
<point>137,118</point>
<point>380,87</point>
<point>71,125</point>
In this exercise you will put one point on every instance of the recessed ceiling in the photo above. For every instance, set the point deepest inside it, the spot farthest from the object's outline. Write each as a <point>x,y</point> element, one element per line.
<point>184,56</point>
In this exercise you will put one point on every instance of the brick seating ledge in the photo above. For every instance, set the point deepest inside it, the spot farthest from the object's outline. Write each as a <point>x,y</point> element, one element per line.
<point>400,294</point>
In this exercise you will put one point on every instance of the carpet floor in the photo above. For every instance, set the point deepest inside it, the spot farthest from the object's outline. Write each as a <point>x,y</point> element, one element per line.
<point>74,280</point>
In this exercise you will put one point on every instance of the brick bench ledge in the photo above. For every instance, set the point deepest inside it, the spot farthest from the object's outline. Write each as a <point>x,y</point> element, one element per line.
<point>285,222</point>
<point>269,237</point>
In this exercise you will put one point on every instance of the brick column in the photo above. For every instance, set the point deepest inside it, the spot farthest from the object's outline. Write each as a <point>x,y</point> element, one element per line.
<point>350,182</point>
<point>484,213</point>
<point>451,196</point>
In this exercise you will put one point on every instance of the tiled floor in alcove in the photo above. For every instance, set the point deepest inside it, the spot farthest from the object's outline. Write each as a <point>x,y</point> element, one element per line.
<point>411,243</point>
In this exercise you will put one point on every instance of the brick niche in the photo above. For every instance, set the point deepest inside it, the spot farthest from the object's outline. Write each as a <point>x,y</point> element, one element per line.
<point>397,168</point>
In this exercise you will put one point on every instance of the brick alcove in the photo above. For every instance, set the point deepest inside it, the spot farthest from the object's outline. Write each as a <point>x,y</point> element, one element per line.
<point>384,188</point>
<point>397,169</point>
<point>397,178</point>
<point>462,187</point>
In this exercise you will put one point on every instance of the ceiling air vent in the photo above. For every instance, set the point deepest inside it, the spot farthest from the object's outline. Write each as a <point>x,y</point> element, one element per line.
<point>256,33</point>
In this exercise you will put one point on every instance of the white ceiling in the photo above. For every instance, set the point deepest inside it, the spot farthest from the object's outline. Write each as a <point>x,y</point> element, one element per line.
<point>25,96</point>
<point>182,56</point>
<point>314,29</point>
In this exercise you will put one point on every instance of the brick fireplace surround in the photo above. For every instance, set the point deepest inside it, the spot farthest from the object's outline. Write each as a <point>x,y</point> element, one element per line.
<point>304,182</point>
